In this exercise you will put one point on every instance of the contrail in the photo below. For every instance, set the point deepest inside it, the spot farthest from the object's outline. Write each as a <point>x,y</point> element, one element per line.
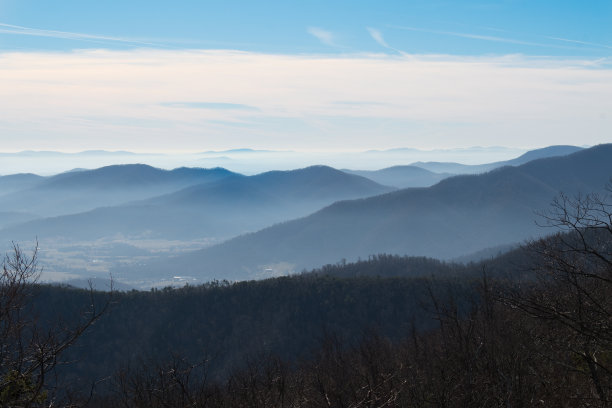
<point>494,38</point>
<point>37,32</point>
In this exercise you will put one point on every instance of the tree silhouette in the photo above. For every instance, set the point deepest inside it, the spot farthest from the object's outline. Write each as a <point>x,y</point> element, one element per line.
<point>30,348</point>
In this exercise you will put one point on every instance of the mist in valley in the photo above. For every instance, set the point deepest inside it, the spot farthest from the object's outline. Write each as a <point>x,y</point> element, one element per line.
<point>150,227</point>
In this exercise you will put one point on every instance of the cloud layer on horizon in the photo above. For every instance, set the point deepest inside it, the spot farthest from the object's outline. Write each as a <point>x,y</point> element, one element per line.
<point>147,100</point>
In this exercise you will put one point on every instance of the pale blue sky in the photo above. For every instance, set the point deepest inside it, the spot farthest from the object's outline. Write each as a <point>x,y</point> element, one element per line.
<point>311,75</point>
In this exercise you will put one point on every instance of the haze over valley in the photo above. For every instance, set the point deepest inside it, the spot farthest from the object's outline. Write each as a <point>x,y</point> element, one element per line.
<point>152,227</point>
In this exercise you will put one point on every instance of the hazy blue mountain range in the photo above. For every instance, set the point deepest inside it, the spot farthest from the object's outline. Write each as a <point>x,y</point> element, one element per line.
<point>78,191</point>
<point>402,176</point>
<point>459,215</point>
<point>425,174</point>
<point>457,168</point>
<point>224,208</point>
<point>246,161</point>
<point>16,182</point>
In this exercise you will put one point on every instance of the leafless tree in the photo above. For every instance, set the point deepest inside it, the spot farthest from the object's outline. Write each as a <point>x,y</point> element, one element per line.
<point>30,348</point>
<point>572,293</point>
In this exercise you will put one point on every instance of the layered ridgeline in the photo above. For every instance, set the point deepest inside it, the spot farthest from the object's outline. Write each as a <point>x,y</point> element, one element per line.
<point>25,197</point>
<point>402,176</point>
<point>222,204</point>
<point>457,216</point>
<point>458,168</point>
<point>82,190</point>
<point>17,182</point>
<point>425,174</point>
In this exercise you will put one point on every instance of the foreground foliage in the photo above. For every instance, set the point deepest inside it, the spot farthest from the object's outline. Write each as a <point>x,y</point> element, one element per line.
<point>30,348</point>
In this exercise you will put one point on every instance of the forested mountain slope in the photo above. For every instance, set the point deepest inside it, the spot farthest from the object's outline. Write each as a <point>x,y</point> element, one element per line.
<point>227,323</point>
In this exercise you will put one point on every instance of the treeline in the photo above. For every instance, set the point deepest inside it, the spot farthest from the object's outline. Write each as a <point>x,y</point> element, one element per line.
<point>226,323</point>
<point>497,356</point>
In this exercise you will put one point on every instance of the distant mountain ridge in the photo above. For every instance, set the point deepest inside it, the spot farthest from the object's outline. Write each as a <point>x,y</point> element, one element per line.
<point>78,191</point>
<point>426,174</point>
<point>16,182</point>
<point>226,207</point>
<point>402,176</point>
<point>310,183</point>
<point>133,175</point>
<point>458,168</point>
<point>459,215</point>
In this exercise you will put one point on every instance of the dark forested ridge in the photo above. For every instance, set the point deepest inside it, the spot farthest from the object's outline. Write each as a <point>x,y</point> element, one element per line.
<point>457,216</point>
<point>228,322</point>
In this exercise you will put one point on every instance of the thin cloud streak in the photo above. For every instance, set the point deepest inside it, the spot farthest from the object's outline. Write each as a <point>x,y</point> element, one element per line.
<point>38,32</point>
<point>378,37</point>
<point>482,37</point>
<point>579,42</point>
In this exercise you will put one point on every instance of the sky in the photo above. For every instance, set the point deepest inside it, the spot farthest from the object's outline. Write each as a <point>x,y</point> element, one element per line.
<point>188,76</point>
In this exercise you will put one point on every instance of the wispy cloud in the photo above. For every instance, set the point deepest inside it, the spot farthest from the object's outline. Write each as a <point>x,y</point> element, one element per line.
<point>325,36</point>
<point>378,37</point>
<point>580,42</point>
<point>208,105</point>
<point>483,37</point>
<point>38,32</point>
